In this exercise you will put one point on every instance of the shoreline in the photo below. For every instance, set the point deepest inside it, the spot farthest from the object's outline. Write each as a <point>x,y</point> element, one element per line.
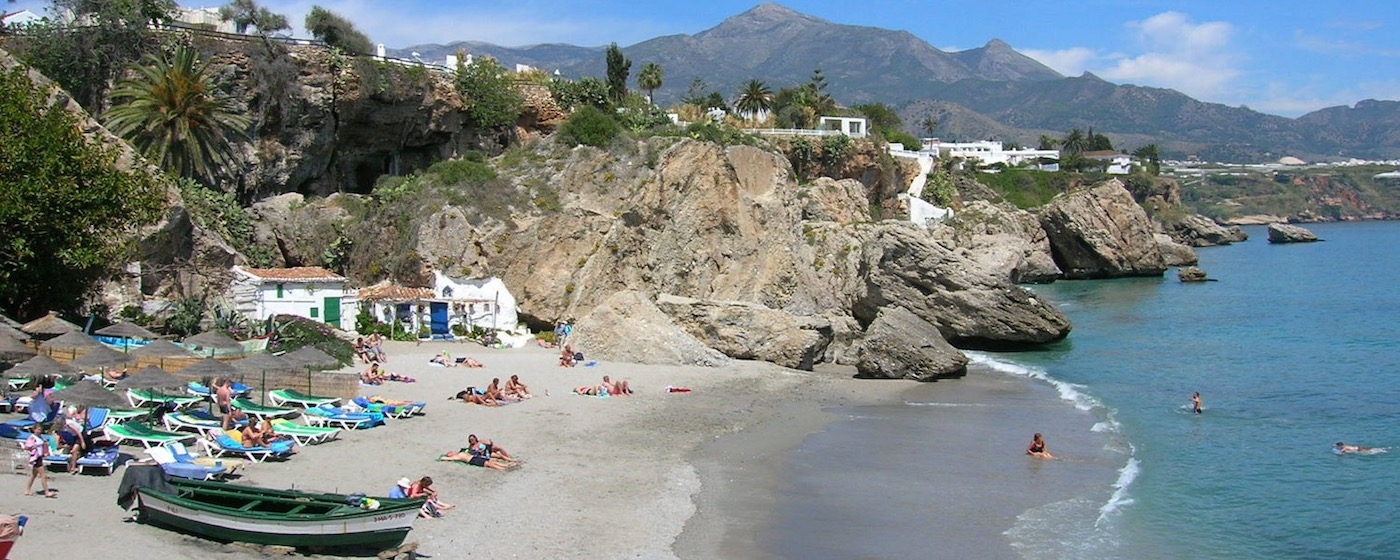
<point>653,475</point>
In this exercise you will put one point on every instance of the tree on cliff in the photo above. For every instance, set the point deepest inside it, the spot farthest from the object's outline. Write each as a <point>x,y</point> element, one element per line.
<point>337,31</point>
<point>1151,156</point>
<point>619,67</point>
<point>755,100</point>
<point>650,78</point>
<point>63,203</point>
<point>488,94</point>
<point>247,13</point>
<point>86,60</point>
<point>172,112</point>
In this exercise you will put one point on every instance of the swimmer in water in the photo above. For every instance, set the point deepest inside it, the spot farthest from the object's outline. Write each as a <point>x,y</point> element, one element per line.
<point>1037,448</point>
<point>1340,447</point>
<point>1196,402</point>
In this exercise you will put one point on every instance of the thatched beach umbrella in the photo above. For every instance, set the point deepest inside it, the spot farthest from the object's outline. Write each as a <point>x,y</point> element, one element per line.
<point>12,350</point>
<point>49,325</point>
<point>89,393</point>
<point>151,377</point>
<point>162,349</point>
<point>209,368</point>
<point>13,332</point>
<point>263,363</point>
<point>214,340</point>
<point>102,357</point>
<point>311,357</point>
<point>127,330</point>
<point>75,340</point>
<point>4,320</point>
<point>39,366</point>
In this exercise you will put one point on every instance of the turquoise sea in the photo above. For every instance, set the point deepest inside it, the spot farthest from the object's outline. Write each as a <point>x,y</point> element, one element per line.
<point>1293,348</point>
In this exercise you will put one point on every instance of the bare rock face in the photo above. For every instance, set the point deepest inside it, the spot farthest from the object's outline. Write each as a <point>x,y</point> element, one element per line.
<point>1101,232</point>
<point>749,331</point>
<point>628,327</point>
<point>900,345</point>
<point>1173,253</point>
<point>1199,231</point>
<point>903,266</point>
<point>301,232</point>
<point>829,200</point>
<point>1191,274</point>
<point>1287,233</point>
<point>1008,240</point>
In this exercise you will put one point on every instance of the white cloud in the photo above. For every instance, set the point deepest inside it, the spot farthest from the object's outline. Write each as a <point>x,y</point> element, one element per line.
<point>1193,58</point>
<point>1070,62</point>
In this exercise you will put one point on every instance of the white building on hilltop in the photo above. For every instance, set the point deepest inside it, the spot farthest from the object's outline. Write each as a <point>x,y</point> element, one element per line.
<point>991,152</point>
<point>466,303</point>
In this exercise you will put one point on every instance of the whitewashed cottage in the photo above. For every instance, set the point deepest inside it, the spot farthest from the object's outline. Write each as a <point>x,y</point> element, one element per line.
<point>306,291</point>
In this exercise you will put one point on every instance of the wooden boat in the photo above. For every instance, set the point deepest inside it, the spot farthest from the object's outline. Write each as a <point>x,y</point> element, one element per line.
<point>230,512</point>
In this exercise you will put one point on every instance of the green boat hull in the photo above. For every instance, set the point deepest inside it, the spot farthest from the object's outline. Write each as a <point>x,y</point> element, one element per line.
<point>229,513</point>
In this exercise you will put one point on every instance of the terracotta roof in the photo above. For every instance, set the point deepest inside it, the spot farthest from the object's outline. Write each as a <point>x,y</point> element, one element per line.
<point>385,291</point>
<point>299,273</point>
<point>1104,154</point>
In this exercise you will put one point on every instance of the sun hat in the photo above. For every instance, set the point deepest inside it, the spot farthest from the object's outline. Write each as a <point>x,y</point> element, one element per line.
<point>405,482</point>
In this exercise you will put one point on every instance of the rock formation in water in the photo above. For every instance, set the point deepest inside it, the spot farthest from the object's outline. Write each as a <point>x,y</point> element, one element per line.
<point>1101,232</point>
<point>1287,233</point>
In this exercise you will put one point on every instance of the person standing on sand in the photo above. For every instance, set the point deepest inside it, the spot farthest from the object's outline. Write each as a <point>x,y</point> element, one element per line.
<point>1196,402</point>
<point>1037,448</point>
<point>38,448</point>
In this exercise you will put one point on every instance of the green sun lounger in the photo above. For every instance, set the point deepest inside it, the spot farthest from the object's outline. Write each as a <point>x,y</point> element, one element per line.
<point>145,435</point>
<point>260,412</point>
<point>143,397</point>
<point>285,397</point>
<point>304,435</point>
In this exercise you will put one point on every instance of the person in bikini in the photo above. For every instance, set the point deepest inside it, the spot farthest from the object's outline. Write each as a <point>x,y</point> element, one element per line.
<point>1037,448</point>
<point>481,455</point>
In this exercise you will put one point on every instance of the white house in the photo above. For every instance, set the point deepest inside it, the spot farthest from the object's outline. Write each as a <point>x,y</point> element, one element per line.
<point>1118,163</point>
<point>206,17</point>
<point>19,19</point>
<point>471,303</point>
<point>306,291</point>
<point>991,152</point>
<point>855,127</point>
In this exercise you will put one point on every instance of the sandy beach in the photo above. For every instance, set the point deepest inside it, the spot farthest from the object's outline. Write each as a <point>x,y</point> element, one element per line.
<point>604,478</point>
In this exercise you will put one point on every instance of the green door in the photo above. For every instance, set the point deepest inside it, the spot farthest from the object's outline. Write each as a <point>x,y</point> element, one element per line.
<point>332,308</point>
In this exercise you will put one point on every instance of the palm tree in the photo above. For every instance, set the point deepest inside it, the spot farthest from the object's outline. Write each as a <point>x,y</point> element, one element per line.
<point>1074,142</point>
<point>1151,155</point>
<point>173,114</point>
<point>929,123</point>
<point>650,78</point>
<point>1047,142</point>
<point>755,99</point>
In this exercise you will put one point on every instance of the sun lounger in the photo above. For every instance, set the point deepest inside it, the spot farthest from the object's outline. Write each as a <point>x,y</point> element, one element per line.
<point>286,397</point>
<point>145,435</point>
<point>390,410</point>
<point>203,391</point>
<point>102,458</point>
<point>121,415</point>
<point>258,411</point>
<point>198,423</point>
<point>303,434</point>
<point>172,466</point>
<point>222,444</point>
<point>13,431</point>
<point>329,415</point>
<point>142,397</point>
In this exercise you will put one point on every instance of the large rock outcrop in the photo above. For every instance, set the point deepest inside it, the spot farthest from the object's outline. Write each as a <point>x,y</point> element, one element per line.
<point>899,344</point>
<point>1101,232</point>
<point>1287,233</point>
<point>1199,231</point>
<point>1008,240</point>
<point>902,266</point>
<point>1173,253</point>
<point>628,327</point>
<point>749,331</point>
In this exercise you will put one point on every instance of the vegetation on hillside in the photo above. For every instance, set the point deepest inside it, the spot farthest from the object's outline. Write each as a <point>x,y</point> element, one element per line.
<point>337,31</point>
<point>65,205</point>
<point>1342,193</point>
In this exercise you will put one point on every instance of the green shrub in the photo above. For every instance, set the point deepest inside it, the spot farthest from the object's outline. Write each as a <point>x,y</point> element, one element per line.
<point>295,332</point>
<point>902,137</point>
<point>591,127</point>
<point>461,172</point>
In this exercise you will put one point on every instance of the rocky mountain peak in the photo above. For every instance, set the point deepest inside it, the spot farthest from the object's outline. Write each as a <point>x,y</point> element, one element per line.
<point>763,18</point>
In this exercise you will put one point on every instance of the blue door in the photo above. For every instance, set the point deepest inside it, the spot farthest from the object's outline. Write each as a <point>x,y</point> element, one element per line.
<point>438,313</point>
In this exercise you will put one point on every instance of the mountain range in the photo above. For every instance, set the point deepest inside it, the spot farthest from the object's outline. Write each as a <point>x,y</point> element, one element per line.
<point>990,92</point>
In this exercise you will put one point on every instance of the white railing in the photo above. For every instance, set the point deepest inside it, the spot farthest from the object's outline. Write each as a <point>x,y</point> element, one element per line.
<point>794,132</point>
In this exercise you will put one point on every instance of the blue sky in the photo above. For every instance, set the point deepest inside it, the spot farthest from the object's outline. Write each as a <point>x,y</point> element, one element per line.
<point>1284,57</point>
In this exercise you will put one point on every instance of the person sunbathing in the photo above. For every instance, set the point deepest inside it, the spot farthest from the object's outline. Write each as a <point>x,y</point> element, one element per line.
<point>252,436</point>
<point>514,388</point>
<point>465,455</point>
<point>470,362</point>
<point>424,489</point>
<point>620,387</point>
<point>493,392</point>
<point>489,448</point>
<point>592,390</point>
<point>234,419</point>
<point>374,376</point>
<point>114,374</point>
<point>443,360</point>
<point>472,395</point>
